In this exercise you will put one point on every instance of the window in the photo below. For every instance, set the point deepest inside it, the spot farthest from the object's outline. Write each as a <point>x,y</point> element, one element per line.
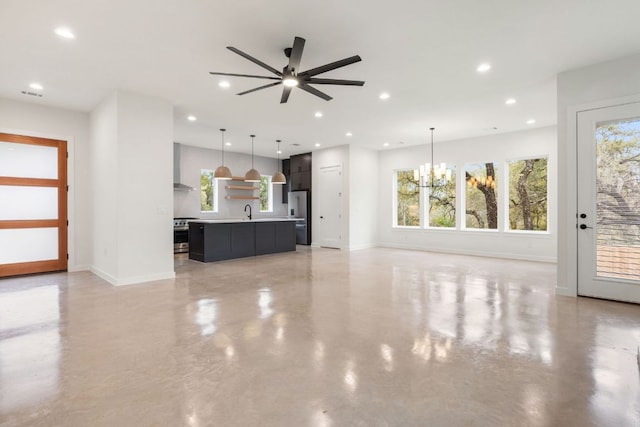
<point>208,191</point>
<point>528,194</point>
<point>407,199</point>
<point>481,203</point>
<point>266,194</point>
<point>442,202</point>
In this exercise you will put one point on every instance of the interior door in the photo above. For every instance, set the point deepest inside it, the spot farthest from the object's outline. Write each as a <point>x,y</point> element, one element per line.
<point>33,205</point>
<point>608,217</point>
<point>330,209</point>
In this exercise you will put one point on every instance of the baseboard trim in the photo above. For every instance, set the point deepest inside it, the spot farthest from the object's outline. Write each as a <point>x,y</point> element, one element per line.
<point>132,280</point>
<point>485,254</point>
<point>76,268</point>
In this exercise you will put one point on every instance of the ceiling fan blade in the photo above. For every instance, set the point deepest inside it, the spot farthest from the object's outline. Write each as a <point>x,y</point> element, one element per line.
<point>332,66</point>
<point>335,82</point>
<point>254,60</point>
<point>259,88</point>
<point>285,94</point>
<point>244,75</point>
<point>314,91</point>
<point>296,54</point>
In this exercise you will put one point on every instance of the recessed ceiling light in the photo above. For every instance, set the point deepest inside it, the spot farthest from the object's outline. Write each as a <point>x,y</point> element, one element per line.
<point>510,101</point>
<point>386,144</point>
<point>483,68</point>
<point>384,95</point>
<point>36,86</point>
<point>192,118</point>
<point>317,144</point>
<point>224,84</point>
<point>531,121</point>
<point>227,143</point>
<point>65,33</point>
<point>349,134</point>
<point>318,114</point>
<point>279,152</point>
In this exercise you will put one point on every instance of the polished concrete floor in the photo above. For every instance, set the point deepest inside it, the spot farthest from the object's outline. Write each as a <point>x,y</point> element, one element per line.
<point>318,337</point>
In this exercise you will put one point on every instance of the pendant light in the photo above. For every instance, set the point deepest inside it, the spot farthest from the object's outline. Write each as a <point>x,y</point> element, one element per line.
<point>430,174</point>
<point>278,177</point>
<point>252,175</point>
<point>222,172</point>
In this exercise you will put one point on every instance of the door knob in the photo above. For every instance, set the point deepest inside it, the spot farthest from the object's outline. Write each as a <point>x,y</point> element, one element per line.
<point>321,217</point>
<point>584,226</point>
<point>582,215</point>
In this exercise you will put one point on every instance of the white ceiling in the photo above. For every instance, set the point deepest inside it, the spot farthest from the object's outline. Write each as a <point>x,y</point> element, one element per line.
<point>423,52</point>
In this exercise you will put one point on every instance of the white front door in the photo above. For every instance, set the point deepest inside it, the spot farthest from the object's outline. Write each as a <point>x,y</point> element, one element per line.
<point>608,217</point>
<point>330,209</point>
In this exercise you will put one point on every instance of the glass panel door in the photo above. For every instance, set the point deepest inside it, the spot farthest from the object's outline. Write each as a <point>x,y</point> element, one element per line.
<point>608,217</point>
<point>33,205</point>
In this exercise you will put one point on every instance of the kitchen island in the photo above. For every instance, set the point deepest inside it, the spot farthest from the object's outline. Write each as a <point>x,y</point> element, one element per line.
<point>220,239</point>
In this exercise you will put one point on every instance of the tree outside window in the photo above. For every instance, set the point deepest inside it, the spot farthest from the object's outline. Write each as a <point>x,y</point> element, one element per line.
<point>442,202</point>
<point>208,191</point>
<point>407,199</point>
<point>528,194</point>
<point>266,194</point>
<point>481,203</point>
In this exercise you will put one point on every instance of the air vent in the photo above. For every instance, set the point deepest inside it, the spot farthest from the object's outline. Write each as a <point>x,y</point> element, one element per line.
<point>39,95</point>
<point>295,144</point>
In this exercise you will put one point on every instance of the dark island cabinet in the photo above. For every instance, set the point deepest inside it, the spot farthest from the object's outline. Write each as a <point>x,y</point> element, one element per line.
<point>242,240</point>
<point>209,242</point>
<point>219,241</point>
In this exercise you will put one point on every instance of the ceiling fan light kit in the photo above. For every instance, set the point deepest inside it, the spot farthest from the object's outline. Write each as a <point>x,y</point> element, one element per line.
<point>291,77</point>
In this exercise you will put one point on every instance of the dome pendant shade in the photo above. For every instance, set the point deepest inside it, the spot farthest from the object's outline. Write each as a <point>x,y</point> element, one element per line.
<point>278,178</point>
<point>252,175</point>
<point>222,172</point>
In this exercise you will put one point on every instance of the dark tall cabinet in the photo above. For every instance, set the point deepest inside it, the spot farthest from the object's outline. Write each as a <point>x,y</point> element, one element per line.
<point>300,167</point>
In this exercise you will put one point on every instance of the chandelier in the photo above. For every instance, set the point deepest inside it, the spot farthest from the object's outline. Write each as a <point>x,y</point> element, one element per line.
<point>430,174</point>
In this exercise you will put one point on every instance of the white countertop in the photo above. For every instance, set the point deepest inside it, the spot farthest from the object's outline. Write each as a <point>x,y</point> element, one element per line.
<point>232,220</point>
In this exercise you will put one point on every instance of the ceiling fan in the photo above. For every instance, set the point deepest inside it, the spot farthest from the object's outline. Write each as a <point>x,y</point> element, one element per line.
<point>291,77</point>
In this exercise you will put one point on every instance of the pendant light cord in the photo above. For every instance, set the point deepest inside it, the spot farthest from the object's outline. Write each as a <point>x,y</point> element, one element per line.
<point>432,169</point>
<point>222,130</point>
<point>252,136</point>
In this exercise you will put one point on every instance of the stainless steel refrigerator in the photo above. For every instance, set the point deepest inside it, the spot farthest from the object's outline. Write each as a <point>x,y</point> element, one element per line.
<point>300,207</point>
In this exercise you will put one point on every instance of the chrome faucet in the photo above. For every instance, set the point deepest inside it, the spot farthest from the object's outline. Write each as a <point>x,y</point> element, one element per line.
<point>245,210</point>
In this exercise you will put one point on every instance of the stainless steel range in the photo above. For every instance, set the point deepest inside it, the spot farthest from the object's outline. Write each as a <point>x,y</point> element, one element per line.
<point>181,234</point>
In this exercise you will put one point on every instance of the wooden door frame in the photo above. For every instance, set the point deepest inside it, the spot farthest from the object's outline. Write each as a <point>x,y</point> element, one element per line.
<point>61,222</point>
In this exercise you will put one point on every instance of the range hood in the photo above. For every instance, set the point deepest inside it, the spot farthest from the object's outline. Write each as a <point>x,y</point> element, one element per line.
<point>177,181</point>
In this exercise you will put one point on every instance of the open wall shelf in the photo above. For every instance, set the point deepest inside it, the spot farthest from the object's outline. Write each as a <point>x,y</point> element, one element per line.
<point>241,197</point>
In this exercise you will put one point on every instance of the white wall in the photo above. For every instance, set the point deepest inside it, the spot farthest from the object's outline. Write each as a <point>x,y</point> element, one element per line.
<point>194,159</point>
<point>497,148</point>
<point>104,179</point>
<point>26,118</point>
<point>594,86</point>
<point>363,197</point>
<point>132,140</point>
<point>334,156</point>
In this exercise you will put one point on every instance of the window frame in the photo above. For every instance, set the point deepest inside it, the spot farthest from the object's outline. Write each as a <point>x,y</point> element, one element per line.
<point>269,194</point>
<point>394,206</point>
<point>498,192</point>
<point>427,205</point>
<point>214,187</point>
<point>506,195</point>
